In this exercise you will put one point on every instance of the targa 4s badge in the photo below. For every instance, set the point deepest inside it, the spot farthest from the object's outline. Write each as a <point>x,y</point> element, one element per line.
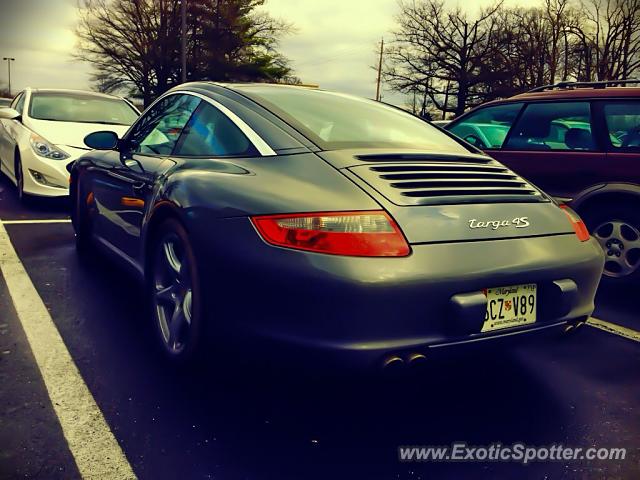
<point>518,222</point>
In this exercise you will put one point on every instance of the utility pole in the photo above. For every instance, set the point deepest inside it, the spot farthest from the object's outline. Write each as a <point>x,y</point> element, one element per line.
<point>183,39</point>
<point>9,60</point>
<point>379,70</point>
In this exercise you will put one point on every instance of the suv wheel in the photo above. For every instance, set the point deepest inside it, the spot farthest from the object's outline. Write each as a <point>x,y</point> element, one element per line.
<point>617,229</point>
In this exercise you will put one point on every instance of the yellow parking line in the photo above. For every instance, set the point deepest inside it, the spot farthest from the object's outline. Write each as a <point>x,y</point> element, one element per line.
<point>615,329</point>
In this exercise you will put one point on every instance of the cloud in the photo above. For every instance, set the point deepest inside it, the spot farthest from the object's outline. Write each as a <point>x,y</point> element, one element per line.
<point>40,35</point>
<point>335,44</point>
<point>337,40</point>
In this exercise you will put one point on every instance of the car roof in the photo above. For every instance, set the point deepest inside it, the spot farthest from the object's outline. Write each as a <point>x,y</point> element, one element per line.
<point>579,93</point>
<point>79,92</point>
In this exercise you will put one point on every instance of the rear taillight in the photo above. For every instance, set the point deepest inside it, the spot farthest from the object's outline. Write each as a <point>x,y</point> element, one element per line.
<point>361,234</point>
<point>578,225</point>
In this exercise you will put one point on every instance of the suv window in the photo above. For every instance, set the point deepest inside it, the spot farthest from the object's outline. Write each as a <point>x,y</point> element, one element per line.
<point>553,126</point>
<point>210,133</point>
<point>488,127</point>
<point>158,130</point>
<point>623,123</point>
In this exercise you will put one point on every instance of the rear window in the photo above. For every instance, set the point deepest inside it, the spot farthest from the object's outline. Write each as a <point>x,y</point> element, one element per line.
<point>623,123</point>
<point>72,107</point>
<point>487,127</point>
<point>333,120</point>
<point>553,126</point>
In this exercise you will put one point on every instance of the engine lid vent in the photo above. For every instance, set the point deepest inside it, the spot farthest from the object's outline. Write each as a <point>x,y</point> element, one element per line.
<point>450,180</point>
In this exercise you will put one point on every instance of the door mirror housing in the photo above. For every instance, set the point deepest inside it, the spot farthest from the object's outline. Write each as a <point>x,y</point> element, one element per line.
<point>8,113</point>
<point>103,140</point>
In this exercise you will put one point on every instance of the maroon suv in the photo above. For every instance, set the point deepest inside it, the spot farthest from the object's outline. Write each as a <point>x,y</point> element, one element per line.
<point>580,142</point>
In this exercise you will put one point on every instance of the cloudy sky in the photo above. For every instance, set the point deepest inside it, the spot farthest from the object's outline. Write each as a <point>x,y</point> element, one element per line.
<point>334,45</point>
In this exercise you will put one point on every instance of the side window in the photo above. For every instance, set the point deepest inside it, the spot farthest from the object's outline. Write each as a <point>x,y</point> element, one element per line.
<point>488,127</point>
<point>158,130</point>
<point>553,126</point>
<point>623,123</point>
<point>210,133</point>
<point>18,103</point>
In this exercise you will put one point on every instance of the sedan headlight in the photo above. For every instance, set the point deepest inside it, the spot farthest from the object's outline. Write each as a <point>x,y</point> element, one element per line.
<point>44,149</point>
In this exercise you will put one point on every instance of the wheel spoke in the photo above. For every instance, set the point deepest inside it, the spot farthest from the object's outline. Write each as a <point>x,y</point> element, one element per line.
<point>186,306</point>
<point>617,230</point>
<point>175,326</point>
<point>166,294</point>
<point>602,241</point>
<point>625,268</point>
<point>631,244</point>
<point>171,257</point>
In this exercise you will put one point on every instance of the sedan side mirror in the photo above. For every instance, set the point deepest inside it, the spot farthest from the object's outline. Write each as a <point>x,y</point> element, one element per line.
<point>8,113</point>
<point>103,140</point>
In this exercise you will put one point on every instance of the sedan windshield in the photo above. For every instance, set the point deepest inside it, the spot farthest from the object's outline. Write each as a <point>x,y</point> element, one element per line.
<point>334,120</point>
<point>66,107</point>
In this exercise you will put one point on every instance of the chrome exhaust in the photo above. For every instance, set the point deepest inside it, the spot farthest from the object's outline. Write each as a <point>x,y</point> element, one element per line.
<point>393,362</point>
<point>416,360</point>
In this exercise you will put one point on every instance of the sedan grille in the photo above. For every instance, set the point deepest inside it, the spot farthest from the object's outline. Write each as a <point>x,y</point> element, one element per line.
<point>448,181</point>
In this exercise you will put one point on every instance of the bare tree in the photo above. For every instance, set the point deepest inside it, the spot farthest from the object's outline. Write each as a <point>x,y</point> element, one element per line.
<point>435,47</point>
<point>458,62</point>
<point>132,44</point>
<point>611,34</point>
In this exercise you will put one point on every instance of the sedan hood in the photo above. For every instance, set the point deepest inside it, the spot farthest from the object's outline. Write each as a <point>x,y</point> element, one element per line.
<point>438,197</point>
<point>70,133</point>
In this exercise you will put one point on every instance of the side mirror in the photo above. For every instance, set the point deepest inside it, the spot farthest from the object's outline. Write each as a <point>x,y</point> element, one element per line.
<point>103,140</point>
<point>8,113</point>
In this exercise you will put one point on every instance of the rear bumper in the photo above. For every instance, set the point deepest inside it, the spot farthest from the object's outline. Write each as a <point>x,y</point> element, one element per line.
<point>360,310</point>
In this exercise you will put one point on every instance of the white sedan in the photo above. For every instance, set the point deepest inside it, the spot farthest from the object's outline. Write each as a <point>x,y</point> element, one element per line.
<point>43,131</point>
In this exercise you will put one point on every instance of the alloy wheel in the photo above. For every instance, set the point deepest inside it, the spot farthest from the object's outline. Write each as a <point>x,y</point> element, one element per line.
<point>621,244</point>
<point>173,293</point>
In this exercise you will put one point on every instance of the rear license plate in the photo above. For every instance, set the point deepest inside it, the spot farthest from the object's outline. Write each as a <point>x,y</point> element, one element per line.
<point>510,307</point>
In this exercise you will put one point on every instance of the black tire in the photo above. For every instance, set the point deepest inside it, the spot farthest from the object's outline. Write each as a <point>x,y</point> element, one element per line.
<point>19,174</point>
<point>173,292</point>
<point>81,221</point>
<point>616,226</point>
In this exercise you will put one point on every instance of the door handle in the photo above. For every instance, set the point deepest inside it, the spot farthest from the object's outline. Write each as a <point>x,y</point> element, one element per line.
<point>139,187</point>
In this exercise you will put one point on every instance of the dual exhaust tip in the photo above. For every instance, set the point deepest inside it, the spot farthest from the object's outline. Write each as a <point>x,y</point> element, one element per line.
<point>573,326</point>
<point>416,360</point>
<point>395,362</point>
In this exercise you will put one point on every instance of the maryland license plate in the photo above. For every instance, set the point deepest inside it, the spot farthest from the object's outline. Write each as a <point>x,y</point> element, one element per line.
<point>510,307</point>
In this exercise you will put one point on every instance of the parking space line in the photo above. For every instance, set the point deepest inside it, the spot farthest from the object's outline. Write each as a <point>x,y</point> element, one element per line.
<point>92,444</point>
<point>615,329</point>
<point>21,222</point>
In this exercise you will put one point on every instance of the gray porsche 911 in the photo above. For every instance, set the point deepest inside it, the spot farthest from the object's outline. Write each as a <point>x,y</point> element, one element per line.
<point>340,228</point>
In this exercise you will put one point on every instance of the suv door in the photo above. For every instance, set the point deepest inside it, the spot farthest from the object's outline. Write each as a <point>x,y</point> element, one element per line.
<point>552,144</point>
<point>622,126</point>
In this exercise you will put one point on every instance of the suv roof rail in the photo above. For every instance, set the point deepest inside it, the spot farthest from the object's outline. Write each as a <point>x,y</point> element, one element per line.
<point>599,84</point>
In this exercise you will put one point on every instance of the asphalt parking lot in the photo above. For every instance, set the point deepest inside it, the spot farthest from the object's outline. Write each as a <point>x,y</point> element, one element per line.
<point>232,423</point>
